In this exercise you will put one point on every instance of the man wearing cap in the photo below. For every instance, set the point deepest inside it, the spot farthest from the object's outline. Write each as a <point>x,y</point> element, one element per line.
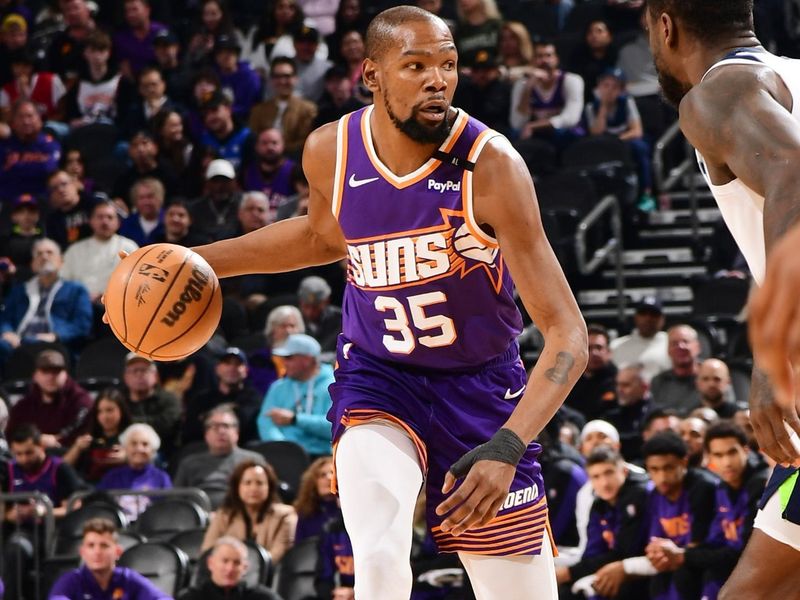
<point>285,111</point>
<point>676,388</point>
<point>28,155</point>
<point>236,76</point>
<point>148,402</point>
<point>323,321</point>
<point>13,37</point>
<point>146,223</point>
<point>338,98</point>
<point>484,94</point>
<point>614,112</point>
<point>214,214</point>
<point>595,393</point>
<point>46,308</point>
<point>91,261</point>
<point>229,141</point>
<point>55,403</point>
<point>647,343</point>
<point>93,97</point>
<point>16,244</point>
<point>311,68</point>
<point>232,388</point>
<point>296,405</point>
<point>145,162</point>
<point>270,170</point>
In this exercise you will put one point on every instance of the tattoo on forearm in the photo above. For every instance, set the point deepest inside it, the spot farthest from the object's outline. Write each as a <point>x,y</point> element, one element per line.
<point>559,373</point>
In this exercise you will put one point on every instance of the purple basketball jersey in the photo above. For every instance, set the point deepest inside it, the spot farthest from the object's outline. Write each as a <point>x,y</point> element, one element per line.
<point>426,286</point>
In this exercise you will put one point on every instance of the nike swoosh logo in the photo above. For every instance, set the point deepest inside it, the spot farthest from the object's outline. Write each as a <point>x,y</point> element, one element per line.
<point>354,183</point>
<point>510,396</point>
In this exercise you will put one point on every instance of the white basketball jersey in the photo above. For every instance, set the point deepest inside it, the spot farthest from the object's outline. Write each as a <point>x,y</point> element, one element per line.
<point>742,208</point>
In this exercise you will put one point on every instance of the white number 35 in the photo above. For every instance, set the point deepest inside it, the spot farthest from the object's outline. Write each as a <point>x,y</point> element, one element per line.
<point>421,322</point>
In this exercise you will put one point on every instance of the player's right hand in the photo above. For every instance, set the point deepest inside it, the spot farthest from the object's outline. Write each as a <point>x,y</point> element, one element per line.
<point>776,429</point>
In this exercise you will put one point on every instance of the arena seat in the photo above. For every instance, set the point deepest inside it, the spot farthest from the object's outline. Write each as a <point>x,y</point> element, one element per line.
<point>163,564</point>
<point>164,518</point>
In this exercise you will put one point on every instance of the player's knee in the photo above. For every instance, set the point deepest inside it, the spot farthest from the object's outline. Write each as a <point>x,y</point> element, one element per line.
<point>384,569</point>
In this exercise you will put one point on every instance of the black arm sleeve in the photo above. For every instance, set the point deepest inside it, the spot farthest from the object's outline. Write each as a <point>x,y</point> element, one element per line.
<point>702,503</point>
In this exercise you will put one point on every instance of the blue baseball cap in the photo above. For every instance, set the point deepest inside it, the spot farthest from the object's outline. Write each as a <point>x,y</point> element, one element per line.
<point>299,344</point>
<point>236,353</point>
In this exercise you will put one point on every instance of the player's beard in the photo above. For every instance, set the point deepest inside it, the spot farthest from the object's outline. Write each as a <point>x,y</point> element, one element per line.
<point>416,130</point>
<point>672,88</point>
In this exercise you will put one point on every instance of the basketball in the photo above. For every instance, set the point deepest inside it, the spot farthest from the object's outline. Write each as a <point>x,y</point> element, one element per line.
<point>163,302</point>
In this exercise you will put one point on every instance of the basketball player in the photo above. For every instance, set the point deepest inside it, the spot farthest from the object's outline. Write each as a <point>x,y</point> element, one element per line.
<point>434,212</point>
<point>740,108</point>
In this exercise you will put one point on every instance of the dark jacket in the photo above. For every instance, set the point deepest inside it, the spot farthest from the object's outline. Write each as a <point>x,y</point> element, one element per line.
<point>210,591</point>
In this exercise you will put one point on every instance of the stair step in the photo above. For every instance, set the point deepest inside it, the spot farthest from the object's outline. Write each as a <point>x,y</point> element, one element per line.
<point>592,314</point>
<point>658,256</point>
<point>633,295</point>
<point>671,271</point>
<point>683,216</point>
<point>673,232</point>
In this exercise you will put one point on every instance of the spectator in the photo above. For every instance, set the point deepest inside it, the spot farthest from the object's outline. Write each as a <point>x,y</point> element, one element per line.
<point>565,478</point>
<point>479,24</point>
<point>231,389</point>
<point>99,450</point>
<point>99,575</point>
<point>617,521</point>
<point>595,54</point>
<point>55,403</point>
<point>646,344</point>
<point>214,215</point>
<point>236,76</point>
<point>93,97</point>
<point>65,55</point>
<point>13,37</point>
<point>70,210</point>
<point>676,388</point>
<point>515,51</point>
<point>484,94</point>
<point>16,245</point>
<point>146,223</point>
<point>43,88</point>
<point>658,420</point>
<point>205,84</point>
<point>145,163</point>
<point>316,505</point>
<point>178,227</point>
<point>336,568</point>
<point>714,386</point>
<point>613,112</point>
<point>210,470</point>
<point>176,73</point>
<point>215,22</point>
<point>351,15</point>
<point>46,308</point>
<point>633,404</point>
<point>270,170</point>
<point>680,508</point>
<point>311,68</point>
<point>227,565</point>
<point>549,103</point>
<point>174,146</point>
<point>133,45</point>
<point>28,155</point>
<point>90,262</point>
<point>354,51</point>
<point>737,500</point>
<point>152,98</point>
<point>220,132</point>
<point>595,392</point>
<point>296,405</point>
<point>285,111</point>
<point>692,431</point>
<point>252,510</point>
<point>141,444</point>
<point>254,212</point>
<point>148,402</point>
<point>273,35</point>
<point>32,471</point>
<point>322,320</point>
<point>72,162</point>
<point>337,100</point>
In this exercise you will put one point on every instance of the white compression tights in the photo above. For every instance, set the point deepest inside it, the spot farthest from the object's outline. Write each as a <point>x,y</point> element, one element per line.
<point>379,478</point>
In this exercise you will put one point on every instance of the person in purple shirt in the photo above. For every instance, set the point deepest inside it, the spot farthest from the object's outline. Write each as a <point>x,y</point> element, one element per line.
<point>141,443</point>
<point>28,155</point>
<point>237,76</point>
<point>316,505</point>
<point>99,578</point>
<point>270,170</point>
<point>133,46</point>
<point>742,483</point>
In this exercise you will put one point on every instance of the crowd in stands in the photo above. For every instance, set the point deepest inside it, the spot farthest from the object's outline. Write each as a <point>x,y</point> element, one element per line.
<point>126,123</point>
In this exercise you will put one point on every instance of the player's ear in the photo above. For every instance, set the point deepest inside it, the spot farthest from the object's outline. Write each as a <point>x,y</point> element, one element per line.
<point>668,30</point>
<point>369,73</point>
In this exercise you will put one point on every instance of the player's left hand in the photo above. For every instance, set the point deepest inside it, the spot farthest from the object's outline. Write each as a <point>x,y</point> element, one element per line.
<point>478,499</point>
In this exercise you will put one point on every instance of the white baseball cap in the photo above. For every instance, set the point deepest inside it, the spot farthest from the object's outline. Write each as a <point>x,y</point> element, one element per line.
<point>220,168</point>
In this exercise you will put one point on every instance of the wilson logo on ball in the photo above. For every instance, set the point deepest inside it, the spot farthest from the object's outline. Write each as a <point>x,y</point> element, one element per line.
<point>192,291</point>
